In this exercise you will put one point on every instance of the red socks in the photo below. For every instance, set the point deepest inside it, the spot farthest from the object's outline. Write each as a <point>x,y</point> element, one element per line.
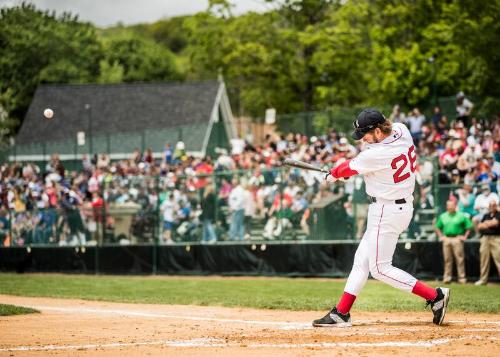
<point>420,289</point>
<point>345,303</point>
<point>425,291</point>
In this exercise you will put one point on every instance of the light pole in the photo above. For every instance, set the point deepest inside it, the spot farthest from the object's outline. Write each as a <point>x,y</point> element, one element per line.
<point>432,61</point>
<point>88,109</point>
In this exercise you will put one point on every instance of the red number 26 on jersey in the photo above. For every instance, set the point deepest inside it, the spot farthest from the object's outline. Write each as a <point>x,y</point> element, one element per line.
<point>399,164</point>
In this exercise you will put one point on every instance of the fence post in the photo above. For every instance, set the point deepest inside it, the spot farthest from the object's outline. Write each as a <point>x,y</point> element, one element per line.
<point>10,228</point>
<point>156,231</point>
<point>75,150</point>
<point>435,185</point>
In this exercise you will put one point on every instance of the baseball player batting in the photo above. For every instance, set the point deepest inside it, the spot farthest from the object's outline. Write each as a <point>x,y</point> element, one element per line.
<point>388,165</point>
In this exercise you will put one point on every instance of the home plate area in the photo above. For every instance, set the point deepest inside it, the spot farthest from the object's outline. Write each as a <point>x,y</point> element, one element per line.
<point>77,327</point>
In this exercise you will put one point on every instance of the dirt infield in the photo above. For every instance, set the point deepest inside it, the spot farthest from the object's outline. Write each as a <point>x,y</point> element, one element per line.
<point>88,328</point>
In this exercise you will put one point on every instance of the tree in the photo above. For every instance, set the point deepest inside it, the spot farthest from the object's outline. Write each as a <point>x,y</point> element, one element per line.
<point>140,59</point>
<point>40,47</point>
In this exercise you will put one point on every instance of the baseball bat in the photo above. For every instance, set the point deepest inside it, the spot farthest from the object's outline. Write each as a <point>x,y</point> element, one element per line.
<point>303,165</point>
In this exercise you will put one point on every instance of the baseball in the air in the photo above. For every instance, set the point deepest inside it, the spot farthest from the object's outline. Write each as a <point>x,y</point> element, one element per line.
<point>48,113</point>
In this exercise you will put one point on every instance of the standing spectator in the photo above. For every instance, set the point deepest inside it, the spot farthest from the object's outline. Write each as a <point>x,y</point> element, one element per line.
<point>167,154</point>
<point>237,146</point>
<point>237,208</point>
<point>97,205</point>
<point>208,214</point>
<point>180,152</point>
<point>249,209</point>
<point>397,116</point>
<point>464,108</point>
<point>490,242</point>
<point>103,161</point>
<point>466,199</point>
<point>168,208</point>
<point>453,228</point>
<point>416,120</point>
<point>437,116</point>
<point>136,156</point>
<point>148,156</point>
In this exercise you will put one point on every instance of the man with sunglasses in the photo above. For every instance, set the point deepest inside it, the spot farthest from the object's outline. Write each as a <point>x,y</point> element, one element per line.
<point>388,165</point>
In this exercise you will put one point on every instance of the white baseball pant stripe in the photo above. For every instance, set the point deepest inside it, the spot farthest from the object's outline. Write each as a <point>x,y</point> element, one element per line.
<point>376,249</point>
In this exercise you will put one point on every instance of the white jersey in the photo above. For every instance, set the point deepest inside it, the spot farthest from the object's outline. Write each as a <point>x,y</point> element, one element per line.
<point>389,166</point>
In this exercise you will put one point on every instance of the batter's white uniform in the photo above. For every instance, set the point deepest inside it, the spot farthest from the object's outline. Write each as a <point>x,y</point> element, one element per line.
<point>388,168</point>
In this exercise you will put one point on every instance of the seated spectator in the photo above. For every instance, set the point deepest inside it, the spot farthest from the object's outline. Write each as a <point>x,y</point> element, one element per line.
<point>453,228</point>
<point>279,219</point>
<point>490,242</point>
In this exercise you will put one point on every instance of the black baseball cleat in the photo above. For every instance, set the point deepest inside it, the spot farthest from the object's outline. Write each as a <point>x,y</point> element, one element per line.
<point>439,305</point>
<point>334,319</point>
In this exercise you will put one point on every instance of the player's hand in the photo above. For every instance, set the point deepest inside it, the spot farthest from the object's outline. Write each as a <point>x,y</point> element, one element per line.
<point>441,238</point>
<point>462,238</point>
<point>330,178</point>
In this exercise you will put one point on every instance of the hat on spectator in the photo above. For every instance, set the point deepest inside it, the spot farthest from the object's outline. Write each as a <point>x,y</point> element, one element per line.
<point>180,145</point>
<point>487,133</point>
<point>460,94</point>
<point>367,120</point>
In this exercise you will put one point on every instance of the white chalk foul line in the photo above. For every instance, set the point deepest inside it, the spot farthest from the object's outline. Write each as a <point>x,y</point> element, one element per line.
<point>214,342</point>
<point>279,324</point>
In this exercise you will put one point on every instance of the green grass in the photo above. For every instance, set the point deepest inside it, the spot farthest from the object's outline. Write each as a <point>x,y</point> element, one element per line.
<point>272,293</point>
<point>7,310</point>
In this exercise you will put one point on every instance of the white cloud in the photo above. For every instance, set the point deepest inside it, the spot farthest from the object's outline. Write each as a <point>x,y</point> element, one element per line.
<point>109,12</point>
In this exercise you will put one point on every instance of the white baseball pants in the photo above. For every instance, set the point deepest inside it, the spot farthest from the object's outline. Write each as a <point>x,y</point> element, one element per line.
<point>386,221</point>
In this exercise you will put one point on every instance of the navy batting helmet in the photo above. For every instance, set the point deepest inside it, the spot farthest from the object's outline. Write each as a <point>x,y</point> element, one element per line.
<point>367,120</point>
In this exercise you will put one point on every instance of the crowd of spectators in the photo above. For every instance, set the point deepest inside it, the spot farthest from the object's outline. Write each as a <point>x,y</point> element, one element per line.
<point>181,197</point>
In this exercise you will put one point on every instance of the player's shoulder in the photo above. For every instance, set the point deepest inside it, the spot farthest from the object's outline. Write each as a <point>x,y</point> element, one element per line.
<point>400,128</point>
<point>400,131</point>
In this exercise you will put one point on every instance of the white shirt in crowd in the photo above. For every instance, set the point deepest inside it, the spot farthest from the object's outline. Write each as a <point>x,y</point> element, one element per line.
<point>237,198</point>
<point>168,209</point>
<point>482,202</point>
<point>416,123</point>
<point>237,146</point>
<point>463,108</point>
<point>388,167</point>
<point>249,204</point>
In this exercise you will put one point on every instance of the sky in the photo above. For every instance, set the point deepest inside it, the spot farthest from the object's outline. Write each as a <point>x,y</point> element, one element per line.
<point>105,13</point>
